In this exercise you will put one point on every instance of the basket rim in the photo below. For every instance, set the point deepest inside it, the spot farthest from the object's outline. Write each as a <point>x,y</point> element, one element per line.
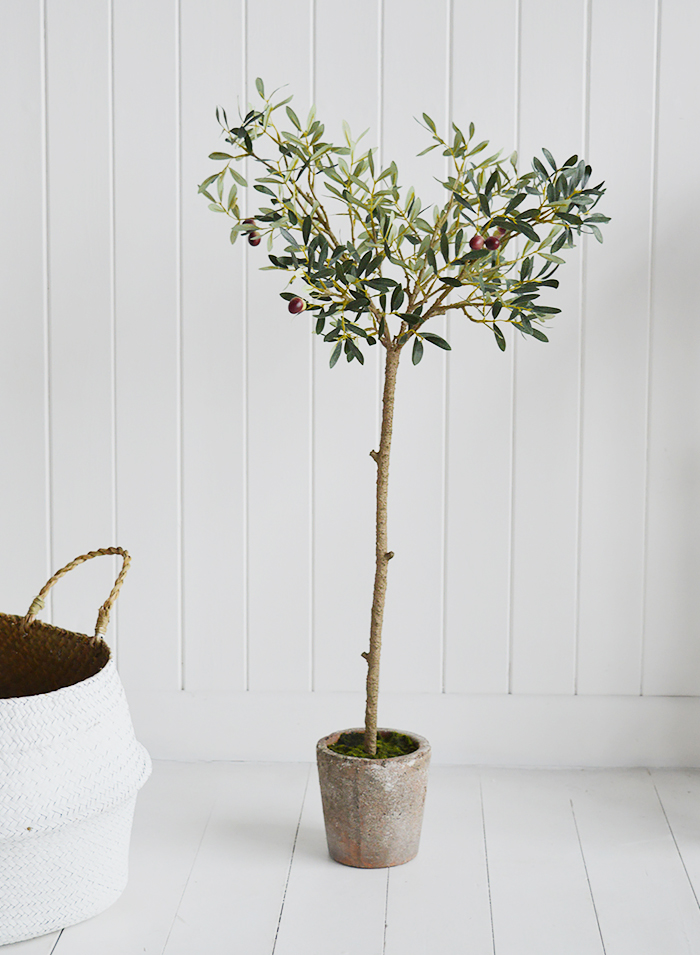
<point>43,625</point>
<point>6,701</point>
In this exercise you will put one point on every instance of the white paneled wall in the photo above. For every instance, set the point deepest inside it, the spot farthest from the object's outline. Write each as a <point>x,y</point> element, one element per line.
<point>545,503</point>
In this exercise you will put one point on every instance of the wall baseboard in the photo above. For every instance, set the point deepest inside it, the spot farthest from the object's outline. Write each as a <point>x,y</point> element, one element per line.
<point>484,730</point>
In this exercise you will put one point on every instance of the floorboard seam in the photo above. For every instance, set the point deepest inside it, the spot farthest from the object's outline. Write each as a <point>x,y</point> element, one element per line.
<point>486,860</point>
<point>55,944</point>
<point>673,836</point>
<point>291,861</point>
<point>189,874</point>
<point>386,911</point>
<point>588,880</point>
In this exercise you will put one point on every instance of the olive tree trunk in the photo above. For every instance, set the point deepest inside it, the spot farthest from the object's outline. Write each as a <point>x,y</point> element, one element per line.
<point>383,555</point>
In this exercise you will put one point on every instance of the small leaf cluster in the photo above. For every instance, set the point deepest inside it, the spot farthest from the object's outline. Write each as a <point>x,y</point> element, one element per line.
<point>487,252</point>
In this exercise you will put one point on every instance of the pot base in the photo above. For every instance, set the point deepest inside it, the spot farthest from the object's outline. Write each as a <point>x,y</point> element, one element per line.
<point>373,808</point>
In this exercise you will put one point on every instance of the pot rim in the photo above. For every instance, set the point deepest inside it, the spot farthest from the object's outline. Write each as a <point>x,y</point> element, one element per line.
<point>325,741</point>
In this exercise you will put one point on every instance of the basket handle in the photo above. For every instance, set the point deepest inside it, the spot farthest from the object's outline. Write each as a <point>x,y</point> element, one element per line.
<point>103,615</point>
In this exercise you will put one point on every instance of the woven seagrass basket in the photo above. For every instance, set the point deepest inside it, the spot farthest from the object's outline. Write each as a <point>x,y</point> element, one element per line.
<point>70,769</point>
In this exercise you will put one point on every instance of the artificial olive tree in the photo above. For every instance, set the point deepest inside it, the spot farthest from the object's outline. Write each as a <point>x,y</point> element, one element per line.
<point>486,253</point>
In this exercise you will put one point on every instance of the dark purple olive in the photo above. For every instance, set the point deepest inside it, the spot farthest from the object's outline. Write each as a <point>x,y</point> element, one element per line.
<point>296,305</point>
<point>476,242</point>
<point>501,231</point>
<point>492,242</point>
<point>249,222</point>
<point>253,238</point>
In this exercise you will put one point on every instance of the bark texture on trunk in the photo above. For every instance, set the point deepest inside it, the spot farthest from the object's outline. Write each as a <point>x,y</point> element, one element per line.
<point>383,555</point>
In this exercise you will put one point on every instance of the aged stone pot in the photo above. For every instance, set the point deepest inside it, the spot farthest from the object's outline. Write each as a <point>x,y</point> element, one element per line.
<point>373,808</point>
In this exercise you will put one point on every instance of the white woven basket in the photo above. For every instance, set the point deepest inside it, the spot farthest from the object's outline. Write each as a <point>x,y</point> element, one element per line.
<point>70,768</point>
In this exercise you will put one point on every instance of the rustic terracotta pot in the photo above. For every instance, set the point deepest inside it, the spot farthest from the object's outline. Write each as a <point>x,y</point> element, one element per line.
<point>373,808</point>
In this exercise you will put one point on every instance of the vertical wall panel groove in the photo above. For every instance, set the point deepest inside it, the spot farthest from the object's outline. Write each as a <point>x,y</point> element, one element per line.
<point>517,85</point>
<point>146,297</point>
<point>79,255</point>
<point>213,362</point>
<point>46,391</point>
<point>672,652</point>
<point>380,162</point>
<point>179,371</point>
<point>278,402</point>
<point>243,83</point>
<point>24,488</point>
<point>112,308</point>
<point>582,339</point>
<point>449,71</point>
<point>480,397</point>
<point>346,397</point>
<point>546,389</point>
<point>312,424</point>
<point>615,360</point>
<point>313,343</point>
<point>412,638</point>
<point>654,162</point>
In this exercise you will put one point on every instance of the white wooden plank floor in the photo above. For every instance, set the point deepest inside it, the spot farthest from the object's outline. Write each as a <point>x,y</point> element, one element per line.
<point>230,859</point>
